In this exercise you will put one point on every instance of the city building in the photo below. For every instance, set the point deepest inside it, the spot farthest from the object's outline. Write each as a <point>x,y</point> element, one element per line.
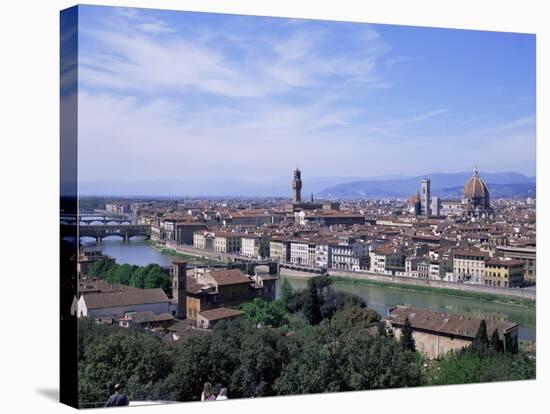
<point>302,252</point>
<point>349,254</point>
<point>297,187</point>
<point>425,199</point>
<point>204,240</point>
<point>503,272</point>
<point>210,289</point>
<point>526,253</point>
<point>436,333</point>
<point>250,245</point>
<point>208,318</point>
<point>387,259</point>
<point>475,197</point>
<point>470,265</point>
<point>111,304</point>
<point>227,242</point>
<point>279,249</point>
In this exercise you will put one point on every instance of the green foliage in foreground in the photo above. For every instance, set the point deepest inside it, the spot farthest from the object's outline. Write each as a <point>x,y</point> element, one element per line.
<point>249,361</point>
<point>276,350</point>
<point>465,367</point>
<point>407,340</point>
<point>145,277</point>
<point>112,355</point>
<point>266,313</point>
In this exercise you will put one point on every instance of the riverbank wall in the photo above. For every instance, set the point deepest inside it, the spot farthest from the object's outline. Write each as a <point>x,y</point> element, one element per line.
<point>398,280</point>
<point>529,294</point>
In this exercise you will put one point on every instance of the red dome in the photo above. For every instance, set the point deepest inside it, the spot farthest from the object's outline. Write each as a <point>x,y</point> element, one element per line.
<point>475,187</point>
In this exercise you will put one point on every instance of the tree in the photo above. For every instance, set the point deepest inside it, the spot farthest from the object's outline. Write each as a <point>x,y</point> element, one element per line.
<point>407,340</point>
<point>137,360</point>
<point>480,343</point>
<point>382,329</point>
<point>100,267</point>
<point>155,277</point>
<point>355,318</point>
<point>287,293</point>
<point>262,355</point>
<point>511,344</point>
<point>325,360</point>
<point>264,248</point>
<point>312,307</point>
<point>266,313</point>
<point>333,300</point>
<point>466,366</point>
<point>138,278</point>
<point>495,343</point>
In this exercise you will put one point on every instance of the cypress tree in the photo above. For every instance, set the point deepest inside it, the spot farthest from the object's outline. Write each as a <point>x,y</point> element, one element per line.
<point>407,340</point>
<point>312,307</point>
<point>480,344</point>
<point>481,337</point>
<point>382,329</point>
<point>495,343</point>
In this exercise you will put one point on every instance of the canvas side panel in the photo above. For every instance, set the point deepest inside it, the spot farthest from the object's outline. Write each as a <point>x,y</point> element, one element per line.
<point>68,206</point>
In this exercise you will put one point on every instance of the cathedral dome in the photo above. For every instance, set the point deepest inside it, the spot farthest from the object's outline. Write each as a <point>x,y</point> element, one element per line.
<point>475,187</point>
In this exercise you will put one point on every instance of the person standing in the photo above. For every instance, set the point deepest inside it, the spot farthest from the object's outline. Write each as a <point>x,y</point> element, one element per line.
<point>207,394</point>
<point>118,399</point>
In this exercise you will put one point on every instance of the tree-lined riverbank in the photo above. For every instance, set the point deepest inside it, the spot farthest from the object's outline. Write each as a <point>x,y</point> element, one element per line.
<point>380,296</point>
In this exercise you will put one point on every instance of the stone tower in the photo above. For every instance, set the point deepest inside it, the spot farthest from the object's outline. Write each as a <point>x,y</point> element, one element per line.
<point>179,274</point>
<point>297,187</point>
<point>425,199</point>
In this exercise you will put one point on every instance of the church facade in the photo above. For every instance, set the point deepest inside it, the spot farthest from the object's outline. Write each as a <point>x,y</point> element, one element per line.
<point>475,201</point>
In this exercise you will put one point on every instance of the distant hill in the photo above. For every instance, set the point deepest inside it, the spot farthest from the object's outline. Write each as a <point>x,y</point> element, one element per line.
<point>505,184</point>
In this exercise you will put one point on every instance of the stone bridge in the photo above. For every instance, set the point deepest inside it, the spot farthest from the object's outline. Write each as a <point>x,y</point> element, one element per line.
<point>88,219</point>
<point>100,231</point>
<point>248,265</point>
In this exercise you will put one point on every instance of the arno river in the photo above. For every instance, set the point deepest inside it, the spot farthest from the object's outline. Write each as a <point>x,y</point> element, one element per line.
<point>377,297</point>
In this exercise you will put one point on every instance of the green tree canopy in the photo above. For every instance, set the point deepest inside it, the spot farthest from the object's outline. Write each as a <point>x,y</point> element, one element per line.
<point>467,366</point>
<point>139,361</point>
<point>407,340</point>
<point>266,313</point>
<point>312,306</point>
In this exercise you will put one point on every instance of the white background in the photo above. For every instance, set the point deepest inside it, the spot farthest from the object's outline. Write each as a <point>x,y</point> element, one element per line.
<point>29,162</point>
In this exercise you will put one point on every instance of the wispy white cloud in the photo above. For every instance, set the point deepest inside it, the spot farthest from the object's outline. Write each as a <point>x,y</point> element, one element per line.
<point>136,60</point>
<point>424,116</point>
<point>155,27</point>
<point>169,99</point>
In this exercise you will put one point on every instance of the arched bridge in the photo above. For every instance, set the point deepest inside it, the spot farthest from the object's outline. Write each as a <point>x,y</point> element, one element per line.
<point>100,231</point>
<point>88,219</point>
<point>248,265</point>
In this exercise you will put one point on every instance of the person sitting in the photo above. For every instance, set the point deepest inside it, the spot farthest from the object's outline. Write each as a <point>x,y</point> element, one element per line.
<point>222,395</point>
<point>117,399</point>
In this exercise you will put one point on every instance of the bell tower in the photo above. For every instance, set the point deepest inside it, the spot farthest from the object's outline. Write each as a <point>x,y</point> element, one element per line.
<point>297,187</point>
<point>179,274</point>
<point>425,198</point>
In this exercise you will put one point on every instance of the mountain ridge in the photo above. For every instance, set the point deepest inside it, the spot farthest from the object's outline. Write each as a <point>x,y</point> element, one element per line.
<point>504,184</point>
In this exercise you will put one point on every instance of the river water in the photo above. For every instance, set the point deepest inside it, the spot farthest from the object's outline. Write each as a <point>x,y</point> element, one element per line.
<point>380,298</point>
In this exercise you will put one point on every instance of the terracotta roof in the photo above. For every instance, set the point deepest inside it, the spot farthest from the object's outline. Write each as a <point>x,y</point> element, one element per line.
<point>125,298</point>
<point>474,253</point>
<point>191,285</point>
<point>504,262</point>
<point>229,277</point>
<point>475,187</point>
<point>220,313</point>
<point>149,316</point>
<point>446,323</point>
<point>386,249</point>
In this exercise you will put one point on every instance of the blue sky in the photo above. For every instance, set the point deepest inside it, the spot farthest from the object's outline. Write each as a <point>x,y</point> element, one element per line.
<point>169,95</point>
